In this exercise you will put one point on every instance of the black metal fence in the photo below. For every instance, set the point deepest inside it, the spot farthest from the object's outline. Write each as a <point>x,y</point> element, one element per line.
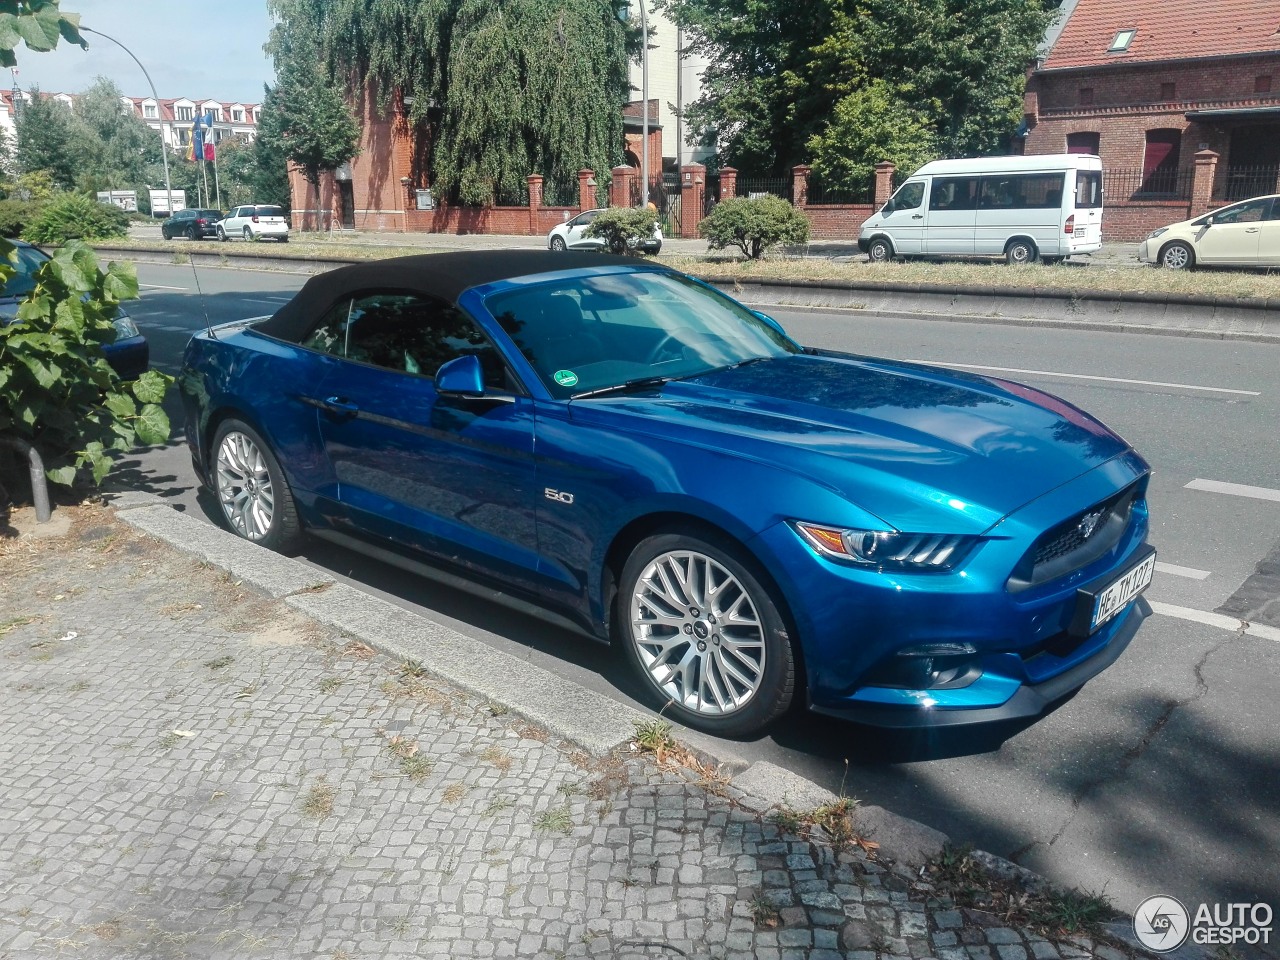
<point>1241,183</point>
<point>511,196</point>
<point>1161,184</point>
<point>560,194</point>
<point>766,186</point>
<point>820,192</point>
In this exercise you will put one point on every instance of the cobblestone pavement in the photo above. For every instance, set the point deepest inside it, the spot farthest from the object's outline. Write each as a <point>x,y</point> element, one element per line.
<point>190,769</point>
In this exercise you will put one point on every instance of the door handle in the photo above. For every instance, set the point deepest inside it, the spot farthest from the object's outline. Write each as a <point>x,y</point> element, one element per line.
<point>340,406</point>
<point>1252,230</point>
<point>917,216</point>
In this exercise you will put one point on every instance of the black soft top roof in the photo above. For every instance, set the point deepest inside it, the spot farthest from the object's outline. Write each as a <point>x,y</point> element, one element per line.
<point>443,275</point>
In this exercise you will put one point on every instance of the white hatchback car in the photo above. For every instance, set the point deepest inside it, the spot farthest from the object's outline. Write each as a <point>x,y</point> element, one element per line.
<point>571,235</point>
<point>255,222</point>
<point>1245,234</point>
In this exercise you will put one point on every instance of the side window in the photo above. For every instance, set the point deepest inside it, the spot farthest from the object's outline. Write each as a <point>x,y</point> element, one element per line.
<point>1089,189</point>
<point>405,333</point>
<point>953,193</point>
<point>1250,212</point>
<point>1275,211</point>
<point>910,196</point>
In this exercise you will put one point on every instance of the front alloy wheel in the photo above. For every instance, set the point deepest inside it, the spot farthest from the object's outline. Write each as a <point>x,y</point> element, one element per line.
<point>1177,256</point>
<point>255,498</point>
<point>705,635</point>
<point>558,244</point>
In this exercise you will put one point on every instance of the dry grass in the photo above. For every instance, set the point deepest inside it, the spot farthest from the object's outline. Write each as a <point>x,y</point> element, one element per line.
<point>318,802</point>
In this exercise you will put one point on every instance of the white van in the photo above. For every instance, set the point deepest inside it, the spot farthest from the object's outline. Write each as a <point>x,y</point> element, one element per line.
<point>1021,208</point>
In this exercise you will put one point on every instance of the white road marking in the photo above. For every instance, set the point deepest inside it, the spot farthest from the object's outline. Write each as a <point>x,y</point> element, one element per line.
<point>1190,572</point>
<point>1085,376</point>
<point>160,286</point>
<point>1234,489</point>
<point>1259,630</point>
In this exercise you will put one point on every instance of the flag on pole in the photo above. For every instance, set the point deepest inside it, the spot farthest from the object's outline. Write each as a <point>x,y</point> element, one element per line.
<point>196,150</point>
<point>208,137</point>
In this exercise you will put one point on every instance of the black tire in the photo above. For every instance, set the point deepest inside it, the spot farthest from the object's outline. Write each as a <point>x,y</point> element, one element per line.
<point>558,244</point>
<point>1051,261</point>
<point>657,249</point>
<point>1017,252</point>
<point>248,234</point>
<point>193,233</point>
<point>880,250</point>
<point>283,531</point>
<point>284,239</point>
<point>618,246</point>
<point>1177,256</point>
<point>759,624</point>
<point>222,234</point>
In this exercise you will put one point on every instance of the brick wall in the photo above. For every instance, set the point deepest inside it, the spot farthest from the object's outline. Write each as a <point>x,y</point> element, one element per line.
<point>836,222</point>
<point>513,221</point>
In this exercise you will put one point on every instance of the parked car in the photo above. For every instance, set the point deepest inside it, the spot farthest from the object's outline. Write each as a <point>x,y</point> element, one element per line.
<point>752,521</point>
<point>129,355</point>
<point>1019,208</point>
<point>1245,234</point>
<point>255,221</point>
<point>192,224</point>
<point>571,235</point>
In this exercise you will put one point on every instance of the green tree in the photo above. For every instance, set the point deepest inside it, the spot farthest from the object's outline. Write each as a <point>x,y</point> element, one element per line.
<point>47,139</point>
<point>875,122</point>
<point>494,89</point>
<point>761,101</point>
<point>116,150</point>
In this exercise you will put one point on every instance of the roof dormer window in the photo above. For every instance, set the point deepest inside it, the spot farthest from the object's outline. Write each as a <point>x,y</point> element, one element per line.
<point>1122,40</point>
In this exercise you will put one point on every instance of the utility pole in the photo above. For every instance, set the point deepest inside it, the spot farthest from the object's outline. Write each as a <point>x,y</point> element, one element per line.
<point>644,96</point>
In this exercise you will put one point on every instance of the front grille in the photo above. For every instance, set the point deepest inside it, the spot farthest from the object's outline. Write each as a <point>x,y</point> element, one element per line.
<point>1076,541</point>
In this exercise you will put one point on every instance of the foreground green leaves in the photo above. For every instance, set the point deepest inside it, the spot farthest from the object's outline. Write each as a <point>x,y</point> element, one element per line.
<point>57,390</point>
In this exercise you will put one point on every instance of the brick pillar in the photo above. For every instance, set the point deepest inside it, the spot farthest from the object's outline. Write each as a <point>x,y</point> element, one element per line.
<point>1202,184</point>
<point>620,188</point>
<point>884,183</point>
<point>693,185</point>
<point>535,201</point>
<point>800,184</point>
<point>586,189</point>
<point>728,183</point>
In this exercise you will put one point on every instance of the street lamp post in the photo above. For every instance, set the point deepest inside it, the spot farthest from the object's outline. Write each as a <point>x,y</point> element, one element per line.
<point>164,148</point>
<point>644,97</point>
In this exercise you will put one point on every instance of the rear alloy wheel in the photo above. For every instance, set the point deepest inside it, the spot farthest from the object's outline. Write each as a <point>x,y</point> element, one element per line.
<point>1177,256</point>
<point>193,233</point>
<point>880,250</point>
<point>251,489</point>
<point>222,234</point>
<point>1020,252</point>
<point>248,234</point>
<point>558,244</point>
<point>705,635</point>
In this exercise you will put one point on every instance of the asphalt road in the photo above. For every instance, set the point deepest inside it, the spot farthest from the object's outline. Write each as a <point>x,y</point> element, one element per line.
<point>1161,776</point>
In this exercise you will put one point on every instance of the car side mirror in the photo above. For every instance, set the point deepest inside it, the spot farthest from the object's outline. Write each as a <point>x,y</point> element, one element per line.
<point>1208,221</point>
<point>889,207</point>
<point>460,377</point>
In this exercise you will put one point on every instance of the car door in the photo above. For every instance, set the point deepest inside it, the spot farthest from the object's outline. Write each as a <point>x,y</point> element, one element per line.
<point>903,218</point>
<point>1235,234</point>
<point>1269,236</point>
<point>953,216</point>
<point>233,224</point>
<point>450,476</point>
<point>576,239</point>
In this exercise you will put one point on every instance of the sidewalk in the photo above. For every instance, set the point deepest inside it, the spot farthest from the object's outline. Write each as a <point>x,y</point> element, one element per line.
<point>191,768</point>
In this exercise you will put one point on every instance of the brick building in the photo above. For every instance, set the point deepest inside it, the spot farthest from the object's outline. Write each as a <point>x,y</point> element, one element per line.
<point>1148,87</point>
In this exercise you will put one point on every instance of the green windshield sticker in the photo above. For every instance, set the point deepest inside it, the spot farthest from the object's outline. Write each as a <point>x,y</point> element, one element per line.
<point>566,378</point>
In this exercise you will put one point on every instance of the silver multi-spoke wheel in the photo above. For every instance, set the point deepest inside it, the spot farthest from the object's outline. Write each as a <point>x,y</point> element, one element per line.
<point>244,484</point>
<point>698,633</point>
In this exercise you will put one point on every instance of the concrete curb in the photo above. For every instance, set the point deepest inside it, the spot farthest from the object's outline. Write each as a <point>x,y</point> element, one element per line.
<point>596,723</point>
<point>1187,315</point>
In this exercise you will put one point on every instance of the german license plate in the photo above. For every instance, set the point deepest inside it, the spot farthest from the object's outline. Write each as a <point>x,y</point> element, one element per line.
<point>1113,599</point>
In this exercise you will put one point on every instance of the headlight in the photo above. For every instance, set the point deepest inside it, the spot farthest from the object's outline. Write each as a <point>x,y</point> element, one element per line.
<point>1155,233</point>
<point>125,328</point>
<point>888,549</point>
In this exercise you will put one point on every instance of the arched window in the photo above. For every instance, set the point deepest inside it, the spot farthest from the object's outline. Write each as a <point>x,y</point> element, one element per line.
<point>1084,142</point>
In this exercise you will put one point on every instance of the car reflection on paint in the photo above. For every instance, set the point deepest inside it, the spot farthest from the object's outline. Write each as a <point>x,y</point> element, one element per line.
<point>753,523</point>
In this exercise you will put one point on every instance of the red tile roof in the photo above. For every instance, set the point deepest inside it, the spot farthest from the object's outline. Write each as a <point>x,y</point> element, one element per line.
<point>1166,30</point>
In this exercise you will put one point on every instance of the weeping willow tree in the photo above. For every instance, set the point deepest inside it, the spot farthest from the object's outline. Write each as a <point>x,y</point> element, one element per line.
<point>497,89</point>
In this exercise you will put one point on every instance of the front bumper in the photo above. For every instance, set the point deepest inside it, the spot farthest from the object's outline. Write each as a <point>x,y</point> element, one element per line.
<point>1145,251</point>
<point>129,358</point>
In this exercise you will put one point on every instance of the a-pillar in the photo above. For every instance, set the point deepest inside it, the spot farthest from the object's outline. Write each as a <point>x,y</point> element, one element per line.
<point>586,189</point>
<point>693,185</point>
<point>800,184</point>
<point>620,188</point>
<point>884,183</point>
<point>1202,184</point>
<point>535,201</point>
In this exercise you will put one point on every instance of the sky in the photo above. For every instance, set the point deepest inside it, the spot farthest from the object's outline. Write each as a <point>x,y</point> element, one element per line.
<point>202,49</point>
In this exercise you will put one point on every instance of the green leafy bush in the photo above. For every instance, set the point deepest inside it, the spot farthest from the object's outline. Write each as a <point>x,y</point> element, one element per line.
<point>14,217</point>
<point>623,227</point>
<point>73,216</point>
<point>753,225</point>
<point>57,390</point>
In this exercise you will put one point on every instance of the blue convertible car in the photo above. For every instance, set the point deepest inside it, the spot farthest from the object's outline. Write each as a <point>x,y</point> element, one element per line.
<point>753,522</point>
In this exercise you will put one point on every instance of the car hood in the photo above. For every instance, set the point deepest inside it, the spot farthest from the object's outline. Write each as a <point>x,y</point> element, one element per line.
<point>909,443</point>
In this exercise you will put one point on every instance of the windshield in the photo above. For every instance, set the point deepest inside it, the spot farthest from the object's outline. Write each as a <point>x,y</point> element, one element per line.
<point>584,334</point>
<point>29,260</point>
<point>269,211</point>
